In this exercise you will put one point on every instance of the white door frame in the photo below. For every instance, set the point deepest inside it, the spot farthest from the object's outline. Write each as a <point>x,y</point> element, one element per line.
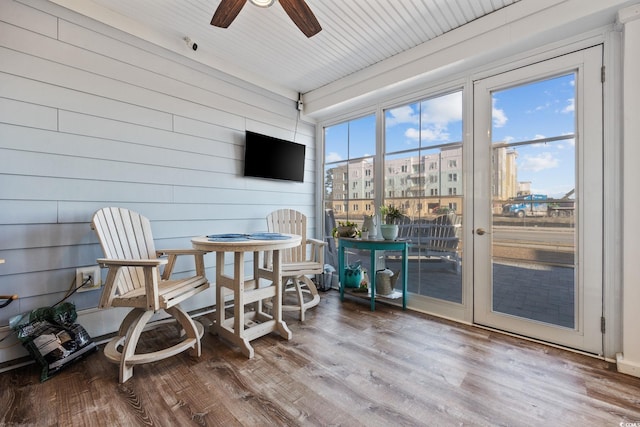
<point>586,335</point>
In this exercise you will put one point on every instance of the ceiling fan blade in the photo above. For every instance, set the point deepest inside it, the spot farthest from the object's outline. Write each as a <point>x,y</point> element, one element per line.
<point>302,16</point>
<point>226,12</point>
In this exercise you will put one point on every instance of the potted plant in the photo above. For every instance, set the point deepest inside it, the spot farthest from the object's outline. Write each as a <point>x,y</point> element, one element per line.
<point>345,229</point>
<point>390,216</point>
<point>364,233</point>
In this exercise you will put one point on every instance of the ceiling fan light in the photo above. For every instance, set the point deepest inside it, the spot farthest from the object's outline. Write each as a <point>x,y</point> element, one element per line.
<point>263,3</point>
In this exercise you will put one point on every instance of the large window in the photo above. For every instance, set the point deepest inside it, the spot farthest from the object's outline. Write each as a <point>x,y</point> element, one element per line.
<point>421,168</point>
<point>423,153</point>
<point>349,188</point>
<point>423,178</point>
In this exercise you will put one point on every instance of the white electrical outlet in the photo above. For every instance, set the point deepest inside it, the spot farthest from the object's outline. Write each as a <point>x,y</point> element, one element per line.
<point>92,274</point>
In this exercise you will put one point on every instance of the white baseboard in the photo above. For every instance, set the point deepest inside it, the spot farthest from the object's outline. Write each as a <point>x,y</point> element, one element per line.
<point>626,366</point>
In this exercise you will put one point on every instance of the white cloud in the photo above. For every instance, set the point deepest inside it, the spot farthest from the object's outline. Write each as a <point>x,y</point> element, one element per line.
<point>427,134</point>
<point>499,117</point>
<point>567,143</point>
<point>404,114</point>
<point>435,113</point>
<point>333,157</point>
<point>442,110</point>
<point>412,134</point>
<point>570,107</point>
<point>539,163</point>
<point>434,133</point>
<point>542,107</point>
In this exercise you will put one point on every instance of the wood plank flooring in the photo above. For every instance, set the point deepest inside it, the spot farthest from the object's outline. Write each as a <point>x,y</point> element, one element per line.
<point>345,366</point>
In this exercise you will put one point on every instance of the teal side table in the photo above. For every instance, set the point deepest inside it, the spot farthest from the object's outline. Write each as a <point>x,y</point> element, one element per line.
<point>372,246</point>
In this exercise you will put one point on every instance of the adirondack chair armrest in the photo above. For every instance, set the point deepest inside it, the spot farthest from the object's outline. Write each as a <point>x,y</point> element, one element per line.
<point>167,252</point>
<point>429,242</point>
<point>108,262</point>
<point>114,265</point>
<point>317,252</point>
<point>316,242</point>
<point>173,254</point>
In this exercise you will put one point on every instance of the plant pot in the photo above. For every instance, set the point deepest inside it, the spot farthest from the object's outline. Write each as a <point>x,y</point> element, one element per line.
<point>389,231</point>
<point>347,231</point>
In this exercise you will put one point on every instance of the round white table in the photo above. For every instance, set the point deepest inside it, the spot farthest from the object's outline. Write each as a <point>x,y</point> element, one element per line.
<point>246,326</point>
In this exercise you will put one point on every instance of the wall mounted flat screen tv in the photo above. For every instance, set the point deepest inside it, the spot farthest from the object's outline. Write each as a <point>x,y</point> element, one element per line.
<point>273,158</point>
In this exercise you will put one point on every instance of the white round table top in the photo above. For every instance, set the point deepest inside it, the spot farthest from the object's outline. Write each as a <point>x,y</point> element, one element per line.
<point>204,243</point>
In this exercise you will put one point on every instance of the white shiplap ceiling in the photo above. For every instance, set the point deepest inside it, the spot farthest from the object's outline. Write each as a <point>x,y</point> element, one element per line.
<point>264,47</point>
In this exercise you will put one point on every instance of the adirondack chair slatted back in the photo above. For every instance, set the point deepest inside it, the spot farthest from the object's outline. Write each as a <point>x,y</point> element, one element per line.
<point>124,234</point>
<point>291,222</point>
<point>299,262</point>
<point>445,233</point>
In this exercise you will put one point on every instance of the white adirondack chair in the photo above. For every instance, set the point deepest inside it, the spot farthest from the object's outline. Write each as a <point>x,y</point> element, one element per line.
<point>299,262</point>
<point>438,238</point>
<point>134,280</point>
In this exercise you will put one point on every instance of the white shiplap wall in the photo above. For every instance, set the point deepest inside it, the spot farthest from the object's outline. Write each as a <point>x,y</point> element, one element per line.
<point>93,117</point>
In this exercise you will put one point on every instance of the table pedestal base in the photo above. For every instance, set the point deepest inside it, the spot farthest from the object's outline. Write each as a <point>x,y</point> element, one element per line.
<point>245,326</point>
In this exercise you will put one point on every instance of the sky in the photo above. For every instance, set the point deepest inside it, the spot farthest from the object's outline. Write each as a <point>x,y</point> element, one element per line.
<point>535,111</point>
<point>528,112</point>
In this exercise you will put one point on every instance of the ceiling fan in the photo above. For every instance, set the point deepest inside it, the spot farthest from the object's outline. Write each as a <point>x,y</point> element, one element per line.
<point>298,11</point>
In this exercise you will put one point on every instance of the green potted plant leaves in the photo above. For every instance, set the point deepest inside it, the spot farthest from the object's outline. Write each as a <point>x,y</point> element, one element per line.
<point>346,229</point>
<point>390,216</point>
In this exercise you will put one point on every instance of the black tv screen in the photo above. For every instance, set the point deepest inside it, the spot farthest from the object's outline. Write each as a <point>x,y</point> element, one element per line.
<point>274,158</point>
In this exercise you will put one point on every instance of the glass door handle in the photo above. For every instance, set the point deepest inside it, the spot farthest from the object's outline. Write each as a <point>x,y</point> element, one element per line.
<point>481,231</point>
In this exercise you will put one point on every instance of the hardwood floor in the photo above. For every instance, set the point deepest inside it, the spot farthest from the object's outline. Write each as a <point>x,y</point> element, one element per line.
<point>344,366</point>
